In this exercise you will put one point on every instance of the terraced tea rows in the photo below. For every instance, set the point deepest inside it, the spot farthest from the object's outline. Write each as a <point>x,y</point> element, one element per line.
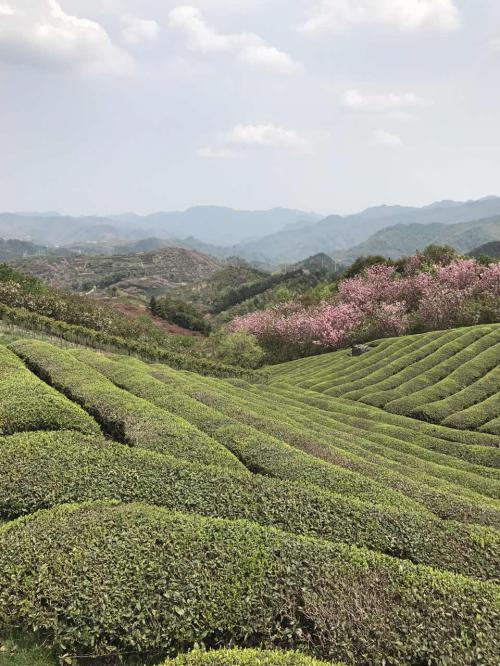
<point>450,377</point>
<point>165,509</point>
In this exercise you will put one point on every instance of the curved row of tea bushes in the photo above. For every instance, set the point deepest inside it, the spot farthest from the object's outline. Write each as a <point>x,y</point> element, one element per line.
<point>406,365</point>
<point>393,443</point>
<point>244,658</point>
<point>102,578</point>
<point>122,415</point>
<point>379,392</point>
<point>339,369</point>
<point>261,452</point>
<point>42,470</point>
<point>426,377</point>
<point>27,403</point>
<point>336,368</point>
<point>492,427</point>
<point>476,447</point>
<point>367,371</point>
<point>434,374</point>
<point>449,501</point>
<point>472,382</point>
<point>470,508</point>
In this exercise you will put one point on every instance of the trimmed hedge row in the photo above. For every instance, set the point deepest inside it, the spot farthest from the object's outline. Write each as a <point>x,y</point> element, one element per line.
<point>395,442</point>
<point>406,365</point>
<point>492,426</point>
<point>471,383</point>
<point>476,447</point>
<point>337,367</point>
<point>412,393</point>
<point>429,377</point>
<point>102,340</point>
<point>446,500</point>
<point>374,424</point>
<point>122,415</point>
<point>27,403</point>
<point>263,443</point>
<point>260,452</point>
<point>42,470</point>
<point>104,579</point>
<point>244,658</point>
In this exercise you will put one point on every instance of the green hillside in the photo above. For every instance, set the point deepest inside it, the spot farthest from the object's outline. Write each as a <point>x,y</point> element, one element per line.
<point>348,508</point>
<point>405,239</point>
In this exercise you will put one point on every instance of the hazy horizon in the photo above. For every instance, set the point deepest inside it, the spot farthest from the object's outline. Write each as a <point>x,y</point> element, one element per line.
<point>330,106</point>
<point>146,213</point>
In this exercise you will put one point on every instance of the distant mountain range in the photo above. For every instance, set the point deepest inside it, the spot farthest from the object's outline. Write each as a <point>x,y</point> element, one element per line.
<point>266,238</point>
<point>335,235</point>
<point>403,240</point>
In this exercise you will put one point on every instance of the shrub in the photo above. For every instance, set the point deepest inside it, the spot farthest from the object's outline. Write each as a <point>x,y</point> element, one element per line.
<point>243,658</point>
<point>42,470</point>
<point>239,348</point>
<point>108,579</point>
<point>27,403</point>
<point>121,415</point>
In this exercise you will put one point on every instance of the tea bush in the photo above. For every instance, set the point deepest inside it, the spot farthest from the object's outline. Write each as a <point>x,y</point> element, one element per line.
<point>121,415</point>
<point>106,579</point>
<point>41,470</point>
<point>27,403</point>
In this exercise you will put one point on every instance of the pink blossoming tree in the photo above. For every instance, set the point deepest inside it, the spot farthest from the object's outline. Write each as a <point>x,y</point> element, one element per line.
<point>380,303</point>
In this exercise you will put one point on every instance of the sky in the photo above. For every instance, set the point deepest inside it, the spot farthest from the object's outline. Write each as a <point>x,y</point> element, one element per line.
<point>109,106</point>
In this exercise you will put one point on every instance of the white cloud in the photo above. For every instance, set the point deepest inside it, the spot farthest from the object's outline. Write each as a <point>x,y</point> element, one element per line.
<point>138,30</point>
<point>269,136</point>
<point>384,138</point>
<point>354,100</point>
<point>334,16</point>
<point>6,10</point>
<point>40,33</point>
<point>249,47</point>
<point>215,153</point>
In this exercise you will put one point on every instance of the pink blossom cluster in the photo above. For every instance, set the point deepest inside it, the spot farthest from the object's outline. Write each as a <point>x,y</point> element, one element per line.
<point>378,303</point>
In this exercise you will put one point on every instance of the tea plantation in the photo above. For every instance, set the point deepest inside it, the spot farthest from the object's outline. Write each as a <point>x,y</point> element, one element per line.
<point>339,509</point>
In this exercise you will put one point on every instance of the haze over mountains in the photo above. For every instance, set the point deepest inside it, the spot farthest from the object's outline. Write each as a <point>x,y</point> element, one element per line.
<point>272,237</point>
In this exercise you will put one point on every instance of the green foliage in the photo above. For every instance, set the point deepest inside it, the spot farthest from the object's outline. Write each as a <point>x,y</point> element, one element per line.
<point>100,340</point>
<point>26,403</point>
<point>449,377</point>
<point>243,658</point>
<point>42,470</point>
<point>362,263</point>
<point>168,581</point>
<point>237,349</point>
<point>290,450</point>
<point>121,415</point>
<point>439,254</point>
<point>179,312</point>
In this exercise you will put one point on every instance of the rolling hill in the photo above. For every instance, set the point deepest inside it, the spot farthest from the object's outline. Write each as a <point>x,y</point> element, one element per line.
<point>347,496</point>
<point>491,249</point>
<point>139,274</point>
<point>404,240</point>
